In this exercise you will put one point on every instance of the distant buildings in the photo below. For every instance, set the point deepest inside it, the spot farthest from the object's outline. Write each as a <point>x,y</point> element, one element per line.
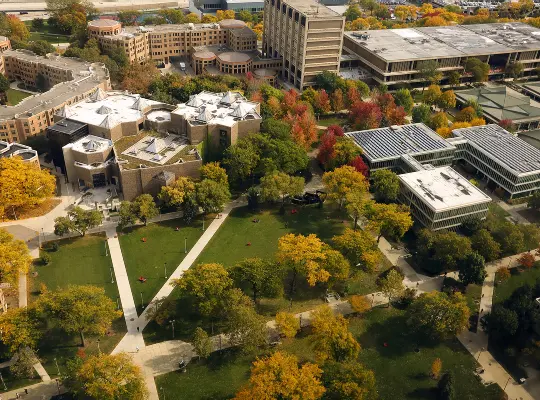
<point>29,155</point>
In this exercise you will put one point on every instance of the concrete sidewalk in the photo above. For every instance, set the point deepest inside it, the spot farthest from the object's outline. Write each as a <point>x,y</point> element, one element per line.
<point>39,391</point>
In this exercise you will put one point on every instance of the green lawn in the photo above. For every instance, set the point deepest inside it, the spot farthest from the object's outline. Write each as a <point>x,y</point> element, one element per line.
<point>164,246</point>
<point>327,121</point>
<point>15,96</point>
<point>47,33</point>
<point>400,371</point>
<point>505,289</point>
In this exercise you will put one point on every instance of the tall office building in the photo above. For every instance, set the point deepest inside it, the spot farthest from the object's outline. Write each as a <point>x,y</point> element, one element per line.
<point>306,35</point>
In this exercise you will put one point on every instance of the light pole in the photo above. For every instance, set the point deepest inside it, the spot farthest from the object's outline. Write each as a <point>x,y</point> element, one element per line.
<point>185,245</point>
<point>203,223</point>
<point>165,265</point>
<point>112,275</point>
<point>57,385</point>
<point>507,382</point>
<point>142,303</point>
<point>106,251</point>
<point>162,392</point>
<point>372,299</point>
<point>118,303</point>
<point>481,350</point>
<point>172,324</point>
<point>57,368</point>
<point>98,348</point>
<point>3,383</point>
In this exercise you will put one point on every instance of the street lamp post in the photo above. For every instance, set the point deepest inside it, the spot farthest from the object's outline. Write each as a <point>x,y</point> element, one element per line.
<point>507,382</point>
<point>142,303</point>
<point>112,275</point>
<point>106,250</point>
<point>3,383</point>
<point>481,350</point>
<point>118,303</point>
<point>165,265</point>
<point>172,324</point>
<point>203,223</point>
<point>162,392</point>
<point>57,368</point>
<point>185,245</point>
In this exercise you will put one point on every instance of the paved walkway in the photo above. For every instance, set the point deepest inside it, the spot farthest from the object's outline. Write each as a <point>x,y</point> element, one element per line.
<point>39,391</point>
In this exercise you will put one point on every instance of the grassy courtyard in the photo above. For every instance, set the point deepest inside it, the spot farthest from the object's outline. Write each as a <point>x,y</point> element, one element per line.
<point>327,121</point>
<point>15,96</point>
<point>400,370</point>
<point>505,289</point>
<point>47,33</point>
<point>164,246</point>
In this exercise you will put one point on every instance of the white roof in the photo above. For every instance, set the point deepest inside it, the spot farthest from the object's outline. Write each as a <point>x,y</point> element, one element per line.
<point>155,146</point>
<point>65,111</point>
<point>90,144</point>
<point>443,188</point>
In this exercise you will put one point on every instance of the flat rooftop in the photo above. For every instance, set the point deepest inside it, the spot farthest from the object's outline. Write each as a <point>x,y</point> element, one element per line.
<point>448,41</point>
<point>90,144</point>
<point>312,9</point>
<point>516,155</point>
<point>224,24</point>
<point>67,126</point>
<point>86,76</point>
<point>16,149</point>
<point>443,188</point>
<point>217,108</point>
<point>392,142</point>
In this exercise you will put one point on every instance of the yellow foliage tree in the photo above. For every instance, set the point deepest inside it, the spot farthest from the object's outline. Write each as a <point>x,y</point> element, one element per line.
<point>214,172</point>
<point>392,220</point>
<point>287,324</point>
<point>14,258</point>
<point>279,377</point>
<point>359,247</point>
<point>359,304</point>
<point>23,184</point>
<point>341,181</point>
<point>436,368</point>
<point>20,327</point>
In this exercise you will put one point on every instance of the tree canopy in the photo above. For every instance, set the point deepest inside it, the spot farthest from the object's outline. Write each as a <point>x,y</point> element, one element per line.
<point>14,258</point>
<point>339,182</point>
<point>77,220</point>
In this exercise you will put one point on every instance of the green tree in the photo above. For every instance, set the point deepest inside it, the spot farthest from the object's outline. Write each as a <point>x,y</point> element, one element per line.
<point>392,285</point>
<point>42,83</point>
<point>263,277</point>
<point>244,15</point>
<point>106,377</point>
<point>501,323</point>
<point>391,220</point>
<point>472,269</point>
<point>442,251</point>
<point>385,186</point>
<point>23,367</point>
<point>429,71</point>
<point>20,327</point>
<point>241,160</point>
<point>421,113</point>
<point>280,186</point>
<point>510,237</point>
<point>41,47</point>
<point>276,129</point>
<point>79,309</point>
<point>348,381</point>
<point>454,78</point>
<point>531,236</point>
<point>534,201</point>
<point>403,98</point>
<point>4,84</point>
<point>514,69</point>
<point>127,214</point>
<point>445,387</point>
<point>207,285</point>
<point>353,12</point>
<point>77,220</point>
<point>483,243</point>
<point>439,315</point>
<point>212,196</point>
<point>478,69</point>
<point>202,344</point>
<point>128,17</point>
<point>145,208</point>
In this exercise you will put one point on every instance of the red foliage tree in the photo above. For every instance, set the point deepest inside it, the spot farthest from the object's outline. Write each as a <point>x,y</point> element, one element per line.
<point>326,147</point>
<point>527,260</point>
<point>353,96</point>
<point>359,164</point>
<point>507,124</point>
<point>385,101</point>
<point>257,97</point>
<point>321,102</point>
<point>365,115</point>
<point>396,116</point>
<point>337,100</point>
<point>289,100</point>
<point>303,128</point>
<point>336,130</point>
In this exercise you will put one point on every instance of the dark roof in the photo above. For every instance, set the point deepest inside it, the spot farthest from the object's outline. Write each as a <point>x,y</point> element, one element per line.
<point>67,126</point>
<point>13,148</point>
<point>392,142</point>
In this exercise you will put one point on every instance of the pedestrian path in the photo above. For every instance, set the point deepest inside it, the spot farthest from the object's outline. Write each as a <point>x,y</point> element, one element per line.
<point>39,391</point>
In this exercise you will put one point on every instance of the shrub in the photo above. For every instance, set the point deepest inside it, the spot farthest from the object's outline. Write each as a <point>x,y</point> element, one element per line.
<point>45,259</point>
<point>53,247</point>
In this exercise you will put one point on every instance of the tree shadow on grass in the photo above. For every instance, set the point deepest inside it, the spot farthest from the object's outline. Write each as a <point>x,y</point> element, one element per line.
<point>423,393</point>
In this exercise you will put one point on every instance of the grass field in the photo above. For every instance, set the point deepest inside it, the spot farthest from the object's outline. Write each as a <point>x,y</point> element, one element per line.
<point>331,121</point>
<point>15,96</point>
<point>401,372</point>
<point>164,246</point>
<point>47,33</point>
<point>505,289</point>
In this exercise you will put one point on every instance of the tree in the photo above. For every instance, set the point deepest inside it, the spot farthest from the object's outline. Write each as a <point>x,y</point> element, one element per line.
<point>212,196</point>
<point>392,285</point>
<point>514,69</point>
<point>38,24</point>
<point>502,274</point>
<point>127,215</point>
<point>341,181</point>
<point>280,186</point>
<point>432,94</point>
<point>445,387</point>
<point>263,277</point>
<point>531,236</point>
<point>23,367</point>
<point>4,84</point>
<point>509,125</point>
<point>176,194</point>
<point>501,323</point>
<point>392,220</point>
<point>439,120</point>
<point>321,102</point>
<point>279,376</point>
<point>145,208</point>
<point>137,78</point>
<point>454,78</point>
<point>302,255</point>
<point>77,220</point>
<point>17,28</point>
<point>14,258</point>
<point>429,71</point>
<point>442,251</point>
<point>467,114</point>
<point>349,381</point>
<point>337,101</point>
<point>207,285</point>
<point>356,204</point>
<point>421,113</point>
<point>41,47</point>
<point>472,270</point>
<point>526,260</point>
<point>20,327</point>
<point>447,100</point>
<point>478,69</point>
<point>337,266</point>
<point>345,151</point>
<point>359,304</point>
<point>353,12</point>
<point>404,99</point>
<point>365,115</point>
<point>359,247</point>
<point>241,160</point>
<point>436,368</point>
<point>214,172</point>
<point>510,237</point>
<point>385,185</point>
<point>359,165</point>
<point>42,83</point>
<point>287,324</point>
<point>483,243</point>
<point>80,309</point>
<point>303,128</point>
<point>439,315</point>
<point>23,184</point>
<point>107,376</point>
<point>332,339</point>
<point>129,17</point>
<point>202,344</point>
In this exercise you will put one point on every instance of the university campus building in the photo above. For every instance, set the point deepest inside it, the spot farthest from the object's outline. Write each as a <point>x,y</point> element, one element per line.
<point>393,56</point>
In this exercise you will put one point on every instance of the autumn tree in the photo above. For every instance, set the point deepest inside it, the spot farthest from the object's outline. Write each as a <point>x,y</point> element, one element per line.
<point>303,255</point>
<point>337,100</point>
<point>212,196</point>
<point>326,153</point>
<point>356,204</point>
<point>279,376</point>
<point>332,339</point>
<point>454,78</point>
<point>202,344</point>
<point>345,151</point>
<point>359,247</point>
<point>287,324</point>
<point>341,181</point>
<point>106,377</point>
<point>279,186</point>
<point>349,381</point>
<point>526,260</point>
<point>321,102</point>
<point>23,184</point>
<point>176,194</point>
<point>472,269</point>
<point>439,315</point>
<point>446,100</point>
<point>20,327</point>
<point>263,277</point>
<point>14,258</point>
<point>436,368</point>
<point>137,78</point>
<point>359,304</point>
<point>502,274</point>
<point>385,186</point>
<point>207,285</point>
<point>145,208</point>
<point>432,94</point>
<point>337,266</point>
<point>77,220</point>
<point>23,365</point>
<point>82,309</point>
<point>392,220</point>
<point>360,166</point>
<point>438,120</point>
<point>466,114</point>
<point>391,285</point>
<point>214,172</point>
<point>365,115</point>
<point>303,128</point>
<point>17,29</point>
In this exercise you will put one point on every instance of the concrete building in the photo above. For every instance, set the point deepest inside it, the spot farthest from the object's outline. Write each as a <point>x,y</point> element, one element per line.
<point>28,154</point>
<point>61,134</point>
<point>508,161</point>
<point>440,198</point>
<point>500,103</point>
<point>393,56</point>
<point>306,36</point>
<point>70,81</point>
<point>403,148</point>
